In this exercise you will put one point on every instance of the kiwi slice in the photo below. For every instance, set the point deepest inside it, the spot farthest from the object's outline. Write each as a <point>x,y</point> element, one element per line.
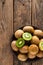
<point>41,46</point>
<point>27,36</point>
<point>20,42</point>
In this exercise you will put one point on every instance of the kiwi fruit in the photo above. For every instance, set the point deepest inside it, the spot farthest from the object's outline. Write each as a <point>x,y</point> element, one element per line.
<point>22,57</point>
<point>41,40</point>
<point>31,56</point>
<point>28,43</point>
<point>33,49</point>
<point>40,54</point>
<point>35,40</point>
<point>38,33</point>
<point>18,33</point>
<point>24,49</point>
<point>13,45</point>
<point>27,36</point>
<point>28,29</point>
<point>41,45</point>
<point>20,42</point>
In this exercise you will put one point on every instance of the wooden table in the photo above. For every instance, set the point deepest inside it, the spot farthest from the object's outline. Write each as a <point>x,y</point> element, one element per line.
<point>15,14</point>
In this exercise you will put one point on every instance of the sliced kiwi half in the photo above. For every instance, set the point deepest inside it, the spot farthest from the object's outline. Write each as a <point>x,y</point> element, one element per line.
<point>41,46</point>
<point>20,42</point>
<point>27,36</point>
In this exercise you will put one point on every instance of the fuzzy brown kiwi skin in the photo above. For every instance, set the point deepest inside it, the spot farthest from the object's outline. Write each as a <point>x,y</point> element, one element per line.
<point>38,33</point>
<point>14,47</point>
<point>18,33</point>
<point>24,49</point>
<point>28,29</point>
<point>22,57</point>
<point>31,56</point>
<point>41,40</point>
<point>35,40</point>
<point>33,49</point>
<point>40,54</point>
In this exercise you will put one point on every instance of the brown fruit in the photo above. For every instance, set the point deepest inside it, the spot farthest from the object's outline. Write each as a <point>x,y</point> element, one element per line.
<point>24,49</point>
<point>22,57</point>
<point>18,33</point>
<point>13,45</point>
<point>35,40</point>
<point>40,54</point>
<point>31,56</point>
<point>41,40</point>
<point>38,33</point>
<point>28,29</point>
<point>33,49</point>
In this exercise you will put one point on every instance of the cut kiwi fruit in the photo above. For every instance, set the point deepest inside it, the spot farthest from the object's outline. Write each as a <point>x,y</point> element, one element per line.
<point>20,42</point>
<point>28,43</point>
<point>41,46</point>
<point>27,36</point>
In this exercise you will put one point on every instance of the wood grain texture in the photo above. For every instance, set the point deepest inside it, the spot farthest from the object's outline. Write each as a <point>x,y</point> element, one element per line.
<point>37,62</point>
<point>22,17</point>
<point>17,62</point>
<point>37,21</point>
<point>37,13</point>
<point>6,31</point>
<point>22,13</point>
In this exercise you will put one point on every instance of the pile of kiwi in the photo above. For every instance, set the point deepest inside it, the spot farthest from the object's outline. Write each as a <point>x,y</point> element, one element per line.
<point>29,43</point>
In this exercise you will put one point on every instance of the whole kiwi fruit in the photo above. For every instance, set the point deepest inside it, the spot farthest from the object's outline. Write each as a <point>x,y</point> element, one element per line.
<point>24,49</point>
<point>28,29</point>
<point>38,33</point>
<point>18,33</point>
<point>13,45</point>
<point>22,57</point>
<point>33,49</point>
<point>40,54</point>
<point>31,56</point>
<point>35,40</point>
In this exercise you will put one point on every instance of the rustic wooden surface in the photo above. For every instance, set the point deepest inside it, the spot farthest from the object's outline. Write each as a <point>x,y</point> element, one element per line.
<point>37,21</point>
<point>6,31</point>
<point>37,62</point>
<point>22,17</point>
<point>15,14</point>
<point>37,13</point>
<point>22,13</point>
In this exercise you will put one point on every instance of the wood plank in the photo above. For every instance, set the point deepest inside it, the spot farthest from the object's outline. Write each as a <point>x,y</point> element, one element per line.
<point>37,62</point>
<point>17,62</point>
<point>22,13</point>
<point>37,21</point>
<point>6,32</point>
<point>37,13</point>
<point>22,17</point>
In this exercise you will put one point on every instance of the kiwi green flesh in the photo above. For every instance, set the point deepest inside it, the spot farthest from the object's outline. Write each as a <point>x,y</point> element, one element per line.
<point>20,42</point>
<point>25,41</point>
<point>41,46</point>
<point>27,36</point>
